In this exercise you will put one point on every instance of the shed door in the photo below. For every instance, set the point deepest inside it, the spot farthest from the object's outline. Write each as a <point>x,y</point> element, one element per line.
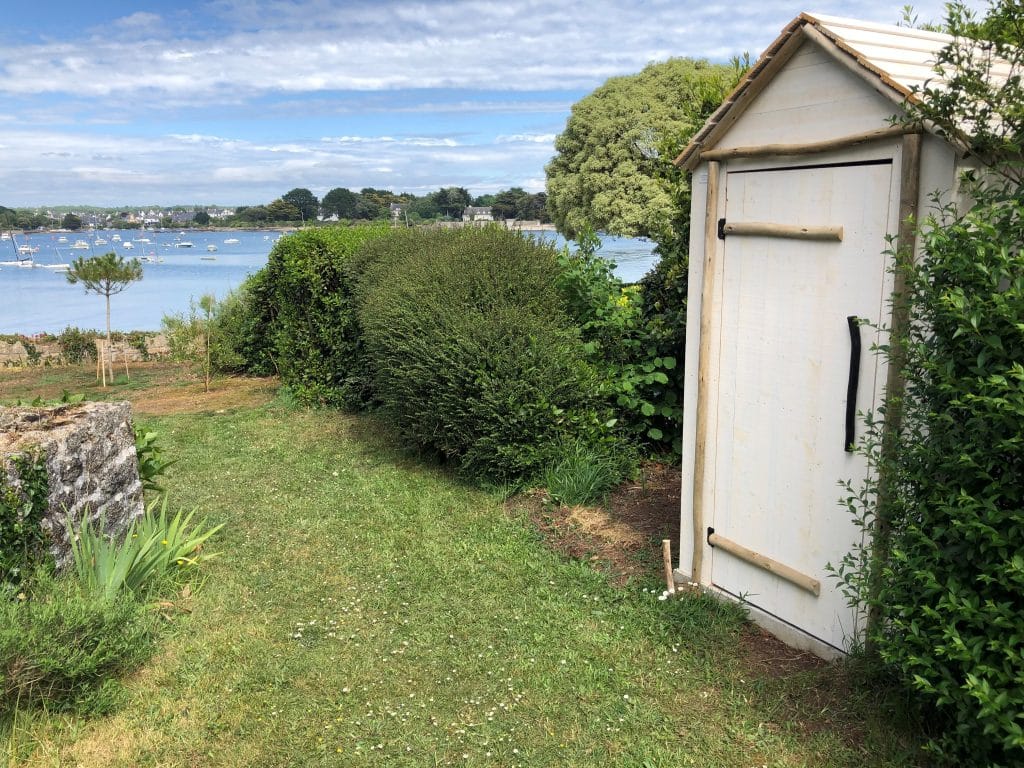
<point>784,371</point>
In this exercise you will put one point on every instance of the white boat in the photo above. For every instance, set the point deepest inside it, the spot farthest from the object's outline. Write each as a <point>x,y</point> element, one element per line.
<point>5,235</point>
<point>211,248</point>
<point>62,239</point>
<point>231,241</point>
<point>116,238</point>
<point>183,244</point>
<point>127,245</point>
<point>18,263</point>
<point>143,240</point>
<point>28,250</point>
<point>100,241</point>
<point>80,245</point>
<point>57,267</point>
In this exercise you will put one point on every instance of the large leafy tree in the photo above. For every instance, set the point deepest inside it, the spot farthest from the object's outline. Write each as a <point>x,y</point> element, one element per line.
<point>612,165</point>
<point>452,200</point>
<point>105,275</point>
<point>282,210</point>
<point>340,202</point>
<point>304,201</point>
<point>71,221</point>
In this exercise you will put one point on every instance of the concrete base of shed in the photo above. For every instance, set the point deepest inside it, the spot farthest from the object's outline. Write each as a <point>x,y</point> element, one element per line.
<point>784,631</point>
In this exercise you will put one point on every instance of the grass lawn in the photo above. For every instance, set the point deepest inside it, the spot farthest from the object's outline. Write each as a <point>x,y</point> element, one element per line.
<point>367,609</point>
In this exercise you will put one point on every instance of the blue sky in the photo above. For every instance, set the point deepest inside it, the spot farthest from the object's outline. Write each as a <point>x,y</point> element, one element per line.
<point>114,102</point>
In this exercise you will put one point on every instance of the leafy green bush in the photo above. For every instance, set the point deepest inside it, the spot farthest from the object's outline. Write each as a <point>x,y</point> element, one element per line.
<point>22,504</point>
<point>471,352</point>
<point>155,546</point>
<point>76,345</point>
<point>313,329</point>
<point>61,647</point>
<point>636,363</point>
<point>242,320</point>
<point>945,576</point>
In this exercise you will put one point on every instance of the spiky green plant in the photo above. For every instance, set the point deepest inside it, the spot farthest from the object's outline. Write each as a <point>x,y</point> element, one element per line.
<point>154,546</point>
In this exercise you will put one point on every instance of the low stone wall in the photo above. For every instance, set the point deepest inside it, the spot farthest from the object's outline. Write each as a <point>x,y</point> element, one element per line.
<point>91,464</point>
<point>30,352</point>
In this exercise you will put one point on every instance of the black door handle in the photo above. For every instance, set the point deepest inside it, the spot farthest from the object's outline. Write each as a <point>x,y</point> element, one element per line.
<point>851,386</point>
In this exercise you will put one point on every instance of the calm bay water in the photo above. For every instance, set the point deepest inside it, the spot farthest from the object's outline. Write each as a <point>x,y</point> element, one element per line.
<point>41,300</point>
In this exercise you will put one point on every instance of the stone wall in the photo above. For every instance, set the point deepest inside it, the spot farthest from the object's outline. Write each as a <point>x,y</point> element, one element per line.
<point>16,353</point>
<point>91,463</point>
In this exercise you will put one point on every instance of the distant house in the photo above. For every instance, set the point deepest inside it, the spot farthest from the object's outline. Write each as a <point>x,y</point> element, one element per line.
<point>396,211</point>
<point>477,213</point>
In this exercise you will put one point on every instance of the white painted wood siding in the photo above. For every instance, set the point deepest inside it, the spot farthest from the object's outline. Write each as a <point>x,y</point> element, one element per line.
<point>811,99</point>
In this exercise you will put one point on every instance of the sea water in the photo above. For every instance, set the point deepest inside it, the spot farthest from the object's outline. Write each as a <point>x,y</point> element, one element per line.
<point>37,300</point>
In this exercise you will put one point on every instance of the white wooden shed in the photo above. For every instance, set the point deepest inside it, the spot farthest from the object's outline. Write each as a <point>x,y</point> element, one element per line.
<point>798,180</point>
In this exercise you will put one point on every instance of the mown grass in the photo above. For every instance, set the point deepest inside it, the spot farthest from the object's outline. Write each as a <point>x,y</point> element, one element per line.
<point>368,610</point>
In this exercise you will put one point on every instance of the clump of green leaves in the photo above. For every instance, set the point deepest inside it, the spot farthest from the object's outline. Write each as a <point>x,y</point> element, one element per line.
<point>22,505</point>
<point>152,464</point>
<point>155,546</point>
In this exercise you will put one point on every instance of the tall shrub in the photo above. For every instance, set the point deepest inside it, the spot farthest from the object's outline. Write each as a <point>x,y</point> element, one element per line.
<point>471,352</point>
<point>945,578</point>
<point>313,330</point>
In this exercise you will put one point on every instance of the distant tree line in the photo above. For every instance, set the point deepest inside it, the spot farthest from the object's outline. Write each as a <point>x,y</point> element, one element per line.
<point>301,206</point>
<point>369,204</point>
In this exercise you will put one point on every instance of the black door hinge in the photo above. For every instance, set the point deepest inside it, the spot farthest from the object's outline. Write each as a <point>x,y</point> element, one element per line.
<point>721,229</point>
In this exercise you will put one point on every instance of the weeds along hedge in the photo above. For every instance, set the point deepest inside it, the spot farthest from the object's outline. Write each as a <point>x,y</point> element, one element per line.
<point>471,352</point>
<point>312,323</point>
<point>950,589</point>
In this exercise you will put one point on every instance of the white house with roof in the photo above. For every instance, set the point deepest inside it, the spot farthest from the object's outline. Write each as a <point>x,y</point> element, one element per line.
<point>799,179</point>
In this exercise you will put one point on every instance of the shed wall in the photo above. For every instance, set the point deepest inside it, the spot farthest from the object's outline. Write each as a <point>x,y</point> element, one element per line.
<point>811,99</point>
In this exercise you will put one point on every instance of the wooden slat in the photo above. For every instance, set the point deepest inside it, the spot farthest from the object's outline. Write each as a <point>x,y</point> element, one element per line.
<point>781,570</point>
<point>794,231</point>
<point>703,365</point>
<point>812,148</point>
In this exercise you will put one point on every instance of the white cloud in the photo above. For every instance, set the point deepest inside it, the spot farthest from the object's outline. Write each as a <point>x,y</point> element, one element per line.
<point>314,45</point>
<point>520,138</point>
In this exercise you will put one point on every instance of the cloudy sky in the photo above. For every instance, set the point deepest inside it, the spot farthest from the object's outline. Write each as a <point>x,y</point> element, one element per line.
<point>115,102</point>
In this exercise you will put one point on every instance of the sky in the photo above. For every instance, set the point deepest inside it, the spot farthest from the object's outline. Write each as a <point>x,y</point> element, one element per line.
<point>235,102</point>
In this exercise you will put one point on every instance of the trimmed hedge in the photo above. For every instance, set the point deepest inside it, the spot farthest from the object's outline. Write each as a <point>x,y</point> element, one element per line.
<point>313,331</point>
<point>471,353</point>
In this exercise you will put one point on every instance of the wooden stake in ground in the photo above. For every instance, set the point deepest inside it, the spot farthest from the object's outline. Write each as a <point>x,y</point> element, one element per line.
<point>666,557</point>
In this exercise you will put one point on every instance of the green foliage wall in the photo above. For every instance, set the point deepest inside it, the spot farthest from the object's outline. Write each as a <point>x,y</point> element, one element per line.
<point>951,587</point>
<point>313,331</point>
<point>471,352</point>
<point>944,574</point>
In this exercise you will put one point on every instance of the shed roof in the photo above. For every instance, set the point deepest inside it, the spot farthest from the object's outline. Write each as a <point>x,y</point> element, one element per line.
<point>895,60</point>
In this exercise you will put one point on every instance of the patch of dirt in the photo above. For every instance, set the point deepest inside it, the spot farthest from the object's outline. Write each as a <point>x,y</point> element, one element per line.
<point>623,539</point>
<point>225,394</point>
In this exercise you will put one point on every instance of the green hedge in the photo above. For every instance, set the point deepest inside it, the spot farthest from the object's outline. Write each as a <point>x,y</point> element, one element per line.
<point>471,353</point>
<point>304,296</point>
<point>946,577</point>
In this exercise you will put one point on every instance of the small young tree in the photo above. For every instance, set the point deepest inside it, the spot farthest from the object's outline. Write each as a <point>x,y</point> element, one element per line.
<point>105,276</point>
